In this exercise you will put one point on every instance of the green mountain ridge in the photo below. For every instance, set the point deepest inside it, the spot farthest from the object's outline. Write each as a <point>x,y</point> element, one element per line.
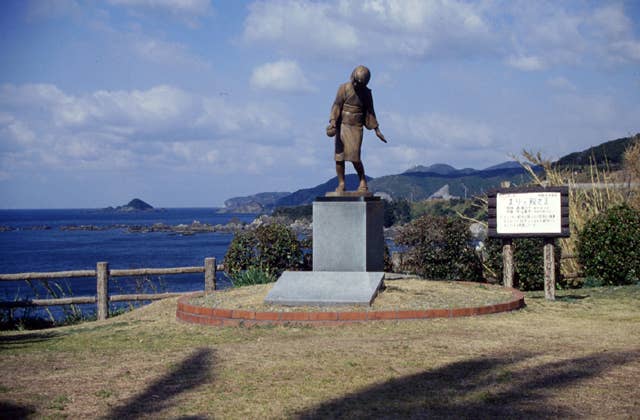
<point>420,182</point>
<point>610,153</point>
<point>416,186</point>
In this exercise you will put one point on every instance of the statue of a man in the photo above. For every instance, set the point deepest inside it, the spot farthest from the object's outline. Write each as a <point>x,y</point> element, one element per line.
<point>352,109</point>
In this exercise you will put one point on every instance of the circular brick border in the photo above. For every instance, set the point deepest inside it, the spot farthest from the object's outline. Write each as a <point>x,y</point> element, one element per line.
<point>237,317</point>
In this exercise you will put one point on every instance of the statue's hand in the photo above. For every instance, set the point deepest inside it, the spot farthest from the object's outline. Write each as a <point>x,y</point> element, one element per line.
<point>331,130</point>
<point>380,135</point>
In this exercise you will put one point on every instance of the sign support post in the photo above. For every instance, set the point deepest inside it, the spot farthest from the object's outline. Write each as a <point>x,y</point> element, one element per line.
<point>507,262</point>
<point>529,212</point>
<point>549,269</point>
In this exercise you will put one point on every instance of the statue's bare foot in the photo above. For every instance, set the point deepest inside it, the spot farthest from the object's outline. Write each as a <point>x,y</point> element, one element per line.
<point>363,187</point>
<point>340,188</point>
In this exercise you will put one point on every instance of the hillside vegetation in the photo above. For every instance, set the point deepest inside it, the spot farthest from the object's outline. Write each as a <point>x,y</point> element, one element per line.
<point>610,154</point>
<point>420,182</point>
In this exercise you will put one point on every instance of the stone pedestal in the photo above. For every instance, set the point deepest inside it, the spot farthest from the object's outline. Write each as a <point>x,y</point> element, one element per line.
<point>348,255</point>
<point>348,234</point>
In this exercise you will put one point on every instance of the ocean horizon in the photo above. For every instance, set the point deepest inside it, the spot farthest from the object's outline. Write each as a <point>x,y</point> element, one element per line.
<point>38,240</point>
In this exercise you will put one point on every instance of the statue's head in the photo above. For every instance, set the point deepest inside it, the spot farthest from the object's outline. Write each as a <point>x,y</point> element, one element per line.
<point>360,76</point>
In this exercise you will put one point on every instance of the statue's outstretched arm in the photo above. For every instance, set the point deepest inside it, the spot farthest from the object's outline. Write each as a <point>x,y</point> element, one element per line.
<point>380,135</point>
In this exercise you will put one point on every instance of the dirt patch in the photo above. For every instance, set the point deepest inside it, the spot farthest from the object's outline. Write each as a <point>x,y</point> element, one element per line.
<point>402,294</point>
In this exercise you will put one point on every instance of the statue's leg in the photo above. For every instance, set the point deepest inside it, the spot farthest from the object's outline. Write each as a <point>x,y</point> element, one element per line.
<point>340,173</point>
<point>363,180</point>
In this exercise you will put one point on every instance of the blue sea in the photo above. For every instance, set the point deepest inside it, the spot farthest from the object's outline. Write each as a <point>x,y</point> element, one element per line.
<point>38,244</point>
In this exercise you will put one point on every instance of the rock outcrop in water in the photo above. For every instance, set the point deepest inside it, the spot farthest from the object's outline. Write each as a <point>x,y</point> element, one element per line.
<point>134,205</point>
<point>233,226</point>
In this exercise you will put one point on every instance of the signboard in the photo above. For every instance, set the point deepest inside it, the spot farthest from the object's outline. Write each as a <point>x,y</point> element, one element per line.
<point>529,212</point>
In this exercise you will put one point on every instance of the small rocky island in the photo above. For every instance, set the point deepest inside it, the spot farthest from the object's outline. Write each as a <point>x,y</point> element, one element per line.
<point>132,206</point>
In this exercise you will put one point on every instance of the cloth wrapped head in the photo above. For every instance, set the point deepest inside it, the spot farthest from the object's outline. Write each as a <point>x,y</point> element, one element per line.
<point>360,76</point>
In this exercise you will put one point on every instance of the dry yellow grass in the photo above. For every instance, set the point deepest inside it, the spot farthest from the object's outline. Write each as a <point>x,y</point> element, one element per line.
<point>632,172</point>
<point>605,192</point>
<point>402,294</point>
<point>575,357</point>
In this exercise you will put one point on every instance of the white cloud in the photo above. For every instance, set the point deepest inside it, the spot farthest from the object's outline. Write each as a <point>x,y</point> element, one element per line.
<point>15,131</point>
<point>437,20</point>
<point>426,138</point>
<point>149,49</point>
<point>162,52</point>
<point>529,36</point>
<point>413,28</point>
<point>561,83</point>
<point>300,25</point>
<point>195,7</point>
<point>526,63</point>
<point>587,110</point>
<point>251,119</point>
<point>187,10</point>
<point>283,76</point>
<point>560,33</point>
<point>160,125</point>
<point>441,131</point>
<point>611,21</point>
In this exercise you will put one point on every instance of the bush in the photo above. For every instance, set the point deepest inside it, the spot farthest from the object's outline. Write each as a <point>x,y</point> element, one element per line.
<point>528,261</point>
<point>439,247</point>
<point>609,246</point>
<point>294,213</point>
<point>397,211</point>
<point>269,248</point>
<point>251,276</point>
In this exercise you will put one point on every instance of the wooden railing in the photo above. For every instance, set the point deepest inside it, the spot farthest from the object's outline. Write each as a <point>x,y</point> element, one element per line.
<point>102,274</point>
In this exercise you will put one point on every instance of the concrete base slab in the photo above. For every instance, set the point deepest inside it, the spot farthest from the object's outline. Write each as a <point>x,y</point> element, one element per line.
<point>325,288</point>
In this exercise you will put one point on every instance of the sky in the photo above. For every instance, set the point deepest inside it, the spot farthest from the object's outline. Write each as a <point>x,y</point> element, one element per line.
<point>186,103</point>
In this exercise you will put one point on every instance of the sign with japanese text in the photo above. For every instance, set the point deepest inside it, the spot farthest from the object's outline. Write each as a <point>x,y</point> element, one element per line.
<point>529,212</point>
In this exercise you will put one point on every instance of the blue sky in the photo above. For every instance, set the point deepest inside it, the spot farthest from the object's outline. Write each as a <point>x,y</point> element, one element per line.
<point>189,102</point>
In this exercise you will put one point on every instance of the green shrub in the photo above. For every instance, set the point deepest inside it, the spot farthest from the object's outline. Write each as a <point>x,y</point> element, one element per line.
<point>592,282</point>
<point>294,213</point>
<point>269,248</point>
<point>251,276</point>
<point>609,246</point>
<point>438,247</point>
<point>397,211</point>
<point>528,261</point>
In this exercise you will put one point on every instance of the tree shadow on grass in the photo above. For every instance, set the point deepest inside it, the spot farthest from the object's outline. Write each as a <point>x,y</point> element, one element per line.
<point>158,396</point>
<point>15,341</point>
<point>486,387</point>
<point>9,410</point>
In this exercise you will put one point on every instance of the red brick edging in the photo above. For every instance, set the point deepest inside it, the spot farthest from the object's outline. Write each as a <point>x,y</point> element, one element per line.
<point>235,317</point>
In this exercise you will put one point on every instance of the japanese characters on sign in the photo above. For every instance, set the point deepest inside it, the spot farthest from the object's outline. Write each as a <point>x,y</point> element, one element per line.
<point>529,212</point>
<point>536,212</point>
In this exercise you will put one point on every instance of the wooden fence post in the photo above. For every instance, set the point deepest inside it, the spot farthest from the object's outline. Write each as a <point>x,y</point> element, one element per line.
<point>507,262</point>
<point>549,269</point>
<point>102,290</point>
<point>209,275</point>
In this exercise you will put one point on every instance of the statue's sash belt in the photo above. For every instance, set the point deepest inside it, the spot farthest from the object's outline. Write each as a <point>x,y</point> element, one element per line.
<point>352,118</point>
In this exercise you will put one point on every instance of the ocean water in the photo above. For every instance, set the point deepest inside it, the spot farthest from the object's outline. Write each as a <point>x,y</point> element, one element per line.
<point>39,244</point>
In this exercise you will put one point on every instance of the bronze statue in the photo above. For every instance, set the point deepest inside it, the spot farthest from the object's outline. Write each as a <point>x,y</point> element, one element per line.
<point>352,109</point>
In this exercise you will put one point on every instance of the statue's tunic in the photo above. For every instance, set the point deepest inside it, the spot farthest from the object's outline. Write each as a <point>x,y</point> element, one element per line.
<point>350,111</point>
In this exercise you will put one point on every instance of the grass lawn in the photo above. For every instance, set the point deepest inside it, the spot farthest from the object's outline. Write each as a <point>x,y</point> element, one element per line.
<point>578,356</point>
<point>406,293</point>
